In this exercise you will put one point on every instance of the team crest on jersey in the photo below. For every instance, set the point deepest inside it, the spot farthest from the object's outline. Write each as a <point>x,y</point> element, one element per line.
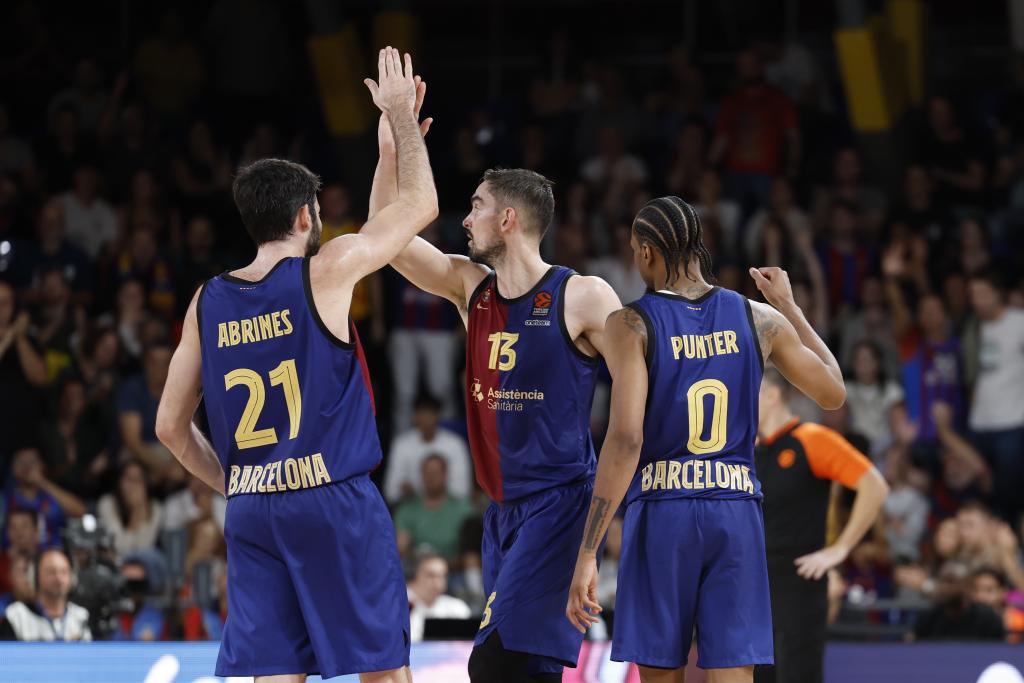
<point>476,390</point>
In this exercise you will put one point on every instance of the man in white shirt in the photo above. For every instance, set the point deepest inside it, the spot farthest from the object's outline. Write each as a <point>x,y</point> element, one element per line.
<point>997,414</point>
<point>91,222</point>
<point>427,599</point>
<point>51,616</point>
<point>427,437</point>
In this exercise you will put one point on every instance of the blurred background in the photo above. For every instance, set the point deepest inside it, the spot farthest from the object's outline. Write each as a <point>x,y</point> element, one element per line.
<point>873,149</point>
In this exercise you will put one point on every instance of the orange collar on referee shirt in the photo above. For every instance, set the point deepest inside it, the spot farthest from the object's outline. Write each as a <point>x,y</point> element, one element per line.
<point>779,433</point>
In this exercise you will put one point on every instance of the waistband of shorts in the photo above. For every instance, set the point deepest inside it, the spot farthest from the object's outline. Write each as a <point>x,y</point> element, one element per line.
<point>587,482</point>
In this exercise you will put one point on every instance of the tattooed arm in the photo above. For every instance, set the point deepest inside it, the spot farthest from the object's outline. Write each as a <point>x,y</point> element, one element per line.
<point>792,345</point>
<point>625,345</point>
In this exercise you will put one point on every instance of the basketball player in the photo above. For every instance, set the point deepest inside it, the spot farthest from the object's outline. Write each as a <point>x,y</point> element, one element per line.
<point>315,583</point>
<point>534,333</point>
<point>686,362</point>
<point>796,465</point>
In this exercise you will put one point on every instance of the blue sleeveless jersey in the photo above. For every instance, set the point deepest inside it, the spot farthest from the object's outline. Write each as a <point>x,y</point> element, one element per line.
<point>528,391</point>
<point>704,363</point>
<point>289,404</point>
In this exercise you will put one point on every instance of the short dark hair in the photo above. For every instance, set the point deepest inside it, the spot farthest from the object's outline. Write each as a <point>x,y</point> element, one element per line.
<point>14,512</point>
<point>427,401</point>
<point>435,456</point>
<point>993,276</point>
<point>999,576</point>
<point>527,192</point>
<point>673,227</point>
<point>269,193</point>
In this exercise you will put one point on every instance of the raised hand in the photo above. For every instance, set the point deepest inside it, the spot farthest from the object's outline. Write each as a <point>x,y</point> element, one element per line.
<point>385,139</point>
<point>395,88</point>
<point>774,284</point>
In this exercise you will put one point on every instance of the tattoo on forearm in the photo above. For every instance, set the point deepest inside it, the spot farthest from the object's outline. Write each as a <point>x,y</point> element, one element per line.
<point>598,511</point>
<point>767,328</point>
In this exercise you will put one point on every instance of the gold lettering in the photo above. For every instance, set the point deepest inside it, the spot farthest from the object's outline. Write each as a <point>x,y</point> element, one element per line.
<point>243,481</point>
<point>645,478</point>
<point>306,472</point>
<point>233,335</point>
<point>254,479</point>
<point>730,342</point>
<point>721,475</point>
<point>291,474</point>
<point>247,335</point>
<point>320,469</point>
<point>235,471</point>
<point>688,348</point>
<point>735,477</point>
<point>659,475</point>
<point>675,468</point>
<point>287,323</point>
<point>270,484</point>
<point>688,474</point>
<point>719,345</point>
<point>748,485</point>
<point>698,343</point>
<point>698,474</point>
<point>677,346</point>
<point>222,335</point>
<point>276,319</point>
<point>266,327</point>
<point>708,340</point>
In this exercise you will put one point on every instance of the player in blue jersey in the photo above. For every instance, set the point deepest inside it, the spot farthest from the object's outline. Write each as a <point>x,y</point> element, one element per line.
<point>315,583</point>
<point>686,362</point>
<point>533,335</point>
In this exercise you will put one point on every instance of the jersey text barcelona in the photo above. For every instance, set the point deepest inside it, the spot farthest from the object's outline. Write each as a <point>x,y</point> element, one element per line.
<point>529,391</point>
<point>705,367</point>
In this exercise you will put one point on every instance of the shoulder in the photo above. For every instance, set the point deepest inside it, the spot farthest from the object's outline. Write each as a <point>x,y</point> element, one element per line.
<point>768,322</point>
<point>590,296</point>
<point>77,612</point>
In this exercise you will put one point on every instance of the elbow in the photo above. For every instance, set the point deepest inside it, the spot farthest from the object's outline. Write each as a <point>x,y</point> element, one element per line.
<point>624,444</point>
<point>834,398</point>
<point>169,433</point>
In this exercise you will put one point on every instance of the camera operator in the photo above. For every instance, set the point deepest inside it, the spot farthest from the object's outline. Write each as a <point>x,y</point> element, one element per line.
<point>50,616</point>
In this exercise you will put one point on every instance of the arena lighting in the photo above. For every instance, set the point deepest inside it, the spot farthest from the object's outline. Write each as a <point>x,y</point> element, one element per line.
<point>5,248</point>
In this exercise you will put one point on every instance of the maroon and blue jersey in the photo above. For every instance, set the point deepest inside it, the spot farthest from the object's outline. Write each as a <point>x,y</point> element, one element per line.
<point>289,404</point>
<point>705,368</point>
<point>528,391</point>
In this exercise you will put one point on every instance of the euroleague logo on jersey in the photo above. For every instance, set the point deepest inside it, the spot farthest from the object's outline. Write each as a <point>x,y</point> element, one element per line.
<point>541,308</point>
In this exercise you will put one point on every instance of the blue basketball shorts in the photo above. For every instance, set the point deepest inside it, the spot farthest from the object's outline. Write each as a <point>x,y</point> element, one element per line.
<point>315,584</point>
<point>693,563</point>
<point>529,556</point>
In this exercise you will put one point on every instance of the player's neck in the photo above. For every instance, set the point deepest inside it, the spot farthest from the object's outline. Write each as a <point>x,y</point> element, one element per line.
<point>270,254</point>
<point>518,272</point>
<point>692,287</point>
<point>770,422</point>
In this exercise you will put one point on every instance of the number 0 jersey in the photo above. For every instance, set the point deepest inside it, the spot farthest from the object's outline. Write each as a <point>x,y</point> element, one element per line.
<point>289,404</point>
<point>528,391</point>
<point>704,364</point>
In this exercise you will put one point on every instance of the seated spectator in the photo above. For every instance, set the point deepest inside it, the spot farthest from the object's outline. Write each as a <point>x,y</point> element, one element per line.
<point>91,222</point>
<point>848,184</point>
<point>965,474</point>
<point>53,251</point>
<point>987,541</point>
<point>957,617</point>
<point>29,489</point>
<point>432,519</point>
<point>19,581</point>
<point>138,398</point>
<point>871,323</point>
<point>427,599</point>
<point>145,621</point>
<point>56,323</point>
<point>905,510</point>
<point>871,396</point>
<point>141,259</point>
<point>21,538</point>
<point>128,317</point>
<point>74,442</point>
<point>195,502</point>
<point>49,615</point>
<point>426,437</point>
<point>129,514</point>
<point>846,260</point>
<point>989,587</point>
<point>783,210</point>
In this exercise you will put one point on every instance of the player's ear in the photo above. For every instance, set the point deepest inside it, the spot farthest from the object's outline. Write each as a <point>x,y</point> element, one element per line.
<point>303,219</point>
<point>508,216</point>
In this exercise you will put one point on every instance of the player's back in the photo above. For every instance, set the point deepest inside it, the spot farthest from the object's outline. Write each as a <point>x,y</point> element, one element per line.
<point>289,405</point>
<point>704,363</point>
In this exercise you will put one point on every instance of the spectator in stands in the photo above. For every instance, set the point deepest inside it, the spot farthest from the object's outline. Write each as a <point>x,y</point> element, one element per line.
<point>64,150</point>
<point>783,211</point>
<point>129,514</point>
<point>951,158</point>
<point>84,95</point>
<point>905,510</point>
<point>872,323</point>
<point>21,541</point>
<point>206,547</point>
<point>53,251</point>
<point>871,396</point>
<point>138,398</point>
<point>194,503</point>
<point>29,489</point>
<point>989,588</point>
<point>206,622</point>
<point>997,414</point>
<point>141,260</point>
<point>618,269</point>
<point>201,174</point>
<point>19,582</point>
<point>98,361</point>
<point>434,518</point>
<point>427,599</point>
<point>91,221</point>
<point>756,135</point>
<point>22,370</point>
<point>75,440</point>
<point>687,168</point>
<point>56,322</point>
<point>169,67</point>
<point>128,317</point>
<point>965,474</point>
<point>16,154</point>
<point>50,615</point>
<point>427,437</point>
<point>957,617</point>
<point>848,184</point>
<point>846,261</point>
<point>613,174</point>
<point>198,262</point>
<point>145,621</point>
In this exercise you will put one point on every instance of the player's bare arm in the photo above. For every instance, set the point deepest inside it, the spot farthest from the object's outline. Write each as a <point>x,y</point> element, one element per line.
<point>345,260</point>
<point>871,493</point>
<point>589,301</point>
<point>178,404</point>
<point>792,344</point>
<point>625,347</point>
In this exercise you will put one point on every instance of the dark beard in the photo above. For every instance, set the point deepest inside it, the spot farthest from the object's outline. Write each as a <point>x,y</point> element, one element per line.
<point>489,257</point>
<point>313,245</point>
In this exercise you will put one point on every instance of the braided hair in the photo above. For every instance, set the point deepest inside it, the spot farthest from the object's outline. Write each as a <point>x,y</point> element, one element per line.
<point>672,227</point>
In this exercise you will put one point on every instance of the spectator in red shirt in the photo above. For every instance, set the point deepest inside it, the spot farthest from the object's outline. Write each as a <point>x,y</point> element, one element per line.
<point>756,135</point>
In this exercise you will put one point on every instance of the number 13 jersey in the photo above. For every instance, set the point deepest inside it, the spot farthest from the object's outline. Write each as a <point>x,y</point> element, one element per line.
<point>529,391</point>
<point>704,373</point>
<point>289,405</point>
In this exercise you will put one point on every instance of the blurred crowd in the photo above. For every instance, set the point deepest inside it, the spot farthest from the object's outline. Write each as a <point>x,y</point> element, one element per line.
<point>115,207</point>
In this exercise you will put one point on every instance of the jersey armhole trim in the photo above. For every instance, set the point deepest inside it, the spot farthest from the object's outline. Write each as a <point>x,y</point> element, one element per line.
<point>593,360</point>
<point>636,308</point>
<point>199,313</point>
<point>479,290</point>
<point>307,288</point>
<point>753,332</point>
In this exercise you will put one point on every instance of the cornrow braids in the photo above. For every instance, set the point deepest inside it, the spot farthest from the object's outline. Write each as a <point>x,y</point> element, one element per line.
<point>674,229</point>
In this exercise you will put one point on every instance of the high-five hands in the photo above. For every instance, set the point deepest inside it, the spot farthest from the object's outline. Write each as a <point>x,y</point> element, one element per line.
<point>395,88</point>
<point>385,138</point>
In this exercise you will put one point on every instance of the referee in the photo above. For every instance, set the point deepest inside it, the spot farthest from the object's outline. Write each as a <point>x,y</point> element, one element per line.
<point>797,463</point>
